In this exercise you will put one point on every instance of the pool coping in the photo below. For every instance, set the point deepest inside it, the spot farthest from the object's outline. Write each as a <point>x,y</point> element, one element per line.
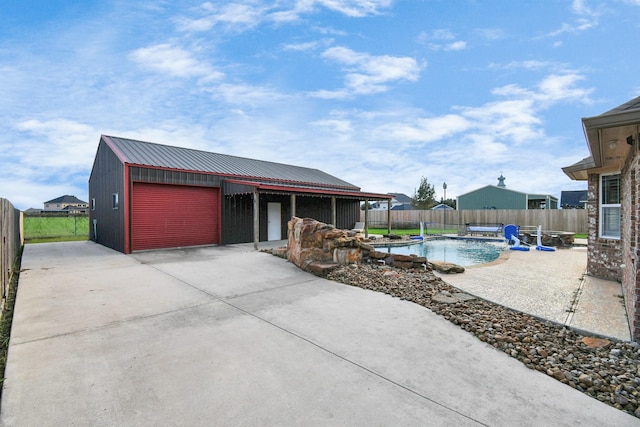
<point>502,257</point>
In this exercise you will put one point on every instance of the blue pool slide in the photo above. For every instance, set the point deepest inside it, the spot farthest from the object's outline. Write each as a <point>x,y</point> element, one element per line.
<point>511,233</point>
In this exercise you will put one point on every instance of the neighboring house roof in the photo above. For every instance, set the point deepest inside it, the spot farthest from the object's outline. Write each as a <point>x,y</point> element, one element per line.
<point>65,199</point>
<point>149,154</point>
<point>401,197</point>
<point>573,198</point>
<point>72,208</point>
<point>403,207</point>
<point>609,137</point>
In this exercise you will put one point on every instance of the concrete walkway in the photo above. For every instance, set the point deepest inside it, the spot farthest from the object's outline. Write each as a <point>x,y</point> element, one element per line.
<point>230,336</point>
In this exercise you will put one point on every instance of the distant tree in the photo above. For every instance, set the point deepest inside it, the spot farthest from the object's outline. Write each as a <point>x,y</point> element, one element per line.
<point>424,196</point>
<point>449,202</point>
<point>365,205</point>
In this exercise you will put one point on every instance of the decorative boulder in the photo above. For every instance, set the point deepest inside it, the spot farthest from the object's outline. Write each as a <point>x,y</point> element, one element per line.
<point>446,267</point>
<point>313,242</point>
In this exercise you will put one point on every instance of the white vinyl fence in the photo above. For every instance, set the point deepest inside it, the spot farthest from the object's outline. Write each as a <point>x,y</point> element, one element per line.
<point>571,220</point>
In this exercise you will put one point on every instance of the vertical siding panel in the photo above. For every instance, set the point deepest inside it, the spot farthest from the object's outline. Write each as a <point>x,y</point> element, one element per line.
<point>107,177</point>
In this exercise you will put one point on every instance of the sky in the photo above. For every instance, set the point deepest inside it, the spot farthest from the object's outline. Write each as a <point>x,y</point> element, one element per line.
<point>379,93</point>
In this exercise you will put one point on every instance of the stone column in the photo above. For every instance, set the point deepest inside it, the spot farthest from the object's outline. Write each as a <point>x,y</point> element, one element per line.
<point>334,215</point>
<point>366,218</point>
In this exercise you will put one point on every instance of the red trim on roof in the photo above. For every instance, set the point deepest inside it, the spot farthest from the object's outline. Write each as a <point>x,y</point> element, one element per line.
<point>262,186</point>
<point>115,150</point>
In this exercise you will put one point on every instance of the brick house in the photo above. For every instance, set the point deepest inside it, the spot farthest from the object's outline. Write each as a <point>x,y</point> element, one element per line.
<point>66,203</point>
<point>612,174</point>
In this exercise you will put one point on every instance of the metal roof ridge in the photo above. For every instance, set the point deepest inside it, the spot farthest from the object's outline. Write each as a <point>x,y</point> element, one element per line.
<point>213,152</point>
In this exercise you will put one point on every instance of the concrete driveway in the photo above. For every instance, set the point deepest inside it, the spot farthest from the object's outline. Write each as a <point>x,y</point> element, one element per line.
<point>230,336</point>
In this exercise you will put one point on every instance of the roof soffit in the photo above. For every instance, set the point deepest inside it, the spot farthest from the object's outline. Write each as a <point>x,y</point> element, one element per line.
<point>607,134</point>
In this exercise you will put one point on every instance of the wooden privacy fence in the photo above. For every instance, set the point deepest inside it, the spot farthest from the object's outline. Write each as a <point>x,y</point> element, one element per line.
<point>572,220</point>
<point>10,243</point>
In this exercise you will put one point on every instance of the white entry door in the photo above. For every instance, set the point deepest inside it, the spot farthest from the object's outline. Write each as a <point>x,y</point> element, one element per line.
<point>273,221</point>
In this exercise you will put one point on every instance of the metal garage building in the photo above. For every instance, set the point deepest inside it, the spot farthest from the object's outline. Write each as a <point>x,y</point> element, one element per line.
<point>151,196</point>
<point>500,197</point>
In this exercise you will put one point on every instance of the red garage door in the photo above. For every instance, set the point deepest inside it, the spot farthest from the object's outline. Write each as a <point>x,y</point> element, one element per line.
<point>168,216</point>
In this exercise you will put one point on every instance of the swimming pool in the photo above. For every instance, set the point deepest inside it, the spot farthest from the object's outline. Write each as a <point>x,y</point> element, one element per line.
<point>464,252</point>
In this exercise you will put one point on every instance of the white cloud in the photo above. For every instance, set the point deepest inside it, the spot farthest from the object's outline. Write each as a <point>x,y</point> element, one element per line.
<point>459,45</point>
<point>553,88</point>
<point>441,39</point>
<point>175,61</point>
<point>355,8</point>
<point>57,143</point>
<point>245,94</point>
<point>492,33</point>
<point>244,15</point>
<point>53,158</point>
<point>442,34</point>
<point>335,125</point>
<point>424,130</point>
<point>586,19</point>
<point>368,74</point>
<point>527,65</point>
<point>302,47</point>
<point>562,87</point>
<point>231,16</point>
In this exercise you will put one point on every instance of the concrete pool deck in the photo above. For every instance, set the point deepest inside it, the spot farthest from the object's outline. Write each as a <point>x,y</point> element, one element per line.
<point>552,286</point>
<point>549,285</point>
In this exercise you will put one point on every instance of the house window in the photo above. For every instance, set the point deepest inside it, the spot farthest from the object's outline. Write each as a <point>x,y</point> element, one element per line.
<point>93,204</point>
<point>116,202</point>
<point>610,206</point>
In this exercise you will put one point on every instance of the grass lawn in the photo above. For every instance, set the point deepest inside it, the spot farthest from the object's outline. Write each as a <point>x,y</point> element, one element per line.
<point>39,229</point>
<point>57,239</point>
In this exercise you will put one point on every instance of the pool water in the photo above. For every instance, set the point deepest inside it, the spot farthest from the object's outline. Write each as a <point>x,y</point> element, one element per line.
<point>464,252</point>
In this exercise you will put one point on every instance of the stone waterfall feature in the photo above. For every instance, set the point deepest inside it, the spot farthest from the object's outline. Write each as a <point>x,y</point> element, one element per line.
<point>319,248</point>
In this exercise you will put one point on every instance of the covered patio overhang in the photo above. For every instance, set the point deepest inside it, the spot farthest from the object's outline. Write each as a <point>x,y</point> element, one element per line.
<point>610,138</point>
<point>234,186</point>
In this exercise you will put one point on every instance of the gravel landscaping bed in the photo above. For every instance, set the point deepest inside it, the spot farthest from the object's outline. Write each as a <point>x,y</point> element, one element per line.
<point>606,369</point>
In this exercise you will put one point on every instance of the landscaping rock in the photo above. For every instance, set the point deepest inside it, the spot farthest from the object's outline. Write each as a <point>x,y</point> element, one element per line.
<point>446,267</point>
